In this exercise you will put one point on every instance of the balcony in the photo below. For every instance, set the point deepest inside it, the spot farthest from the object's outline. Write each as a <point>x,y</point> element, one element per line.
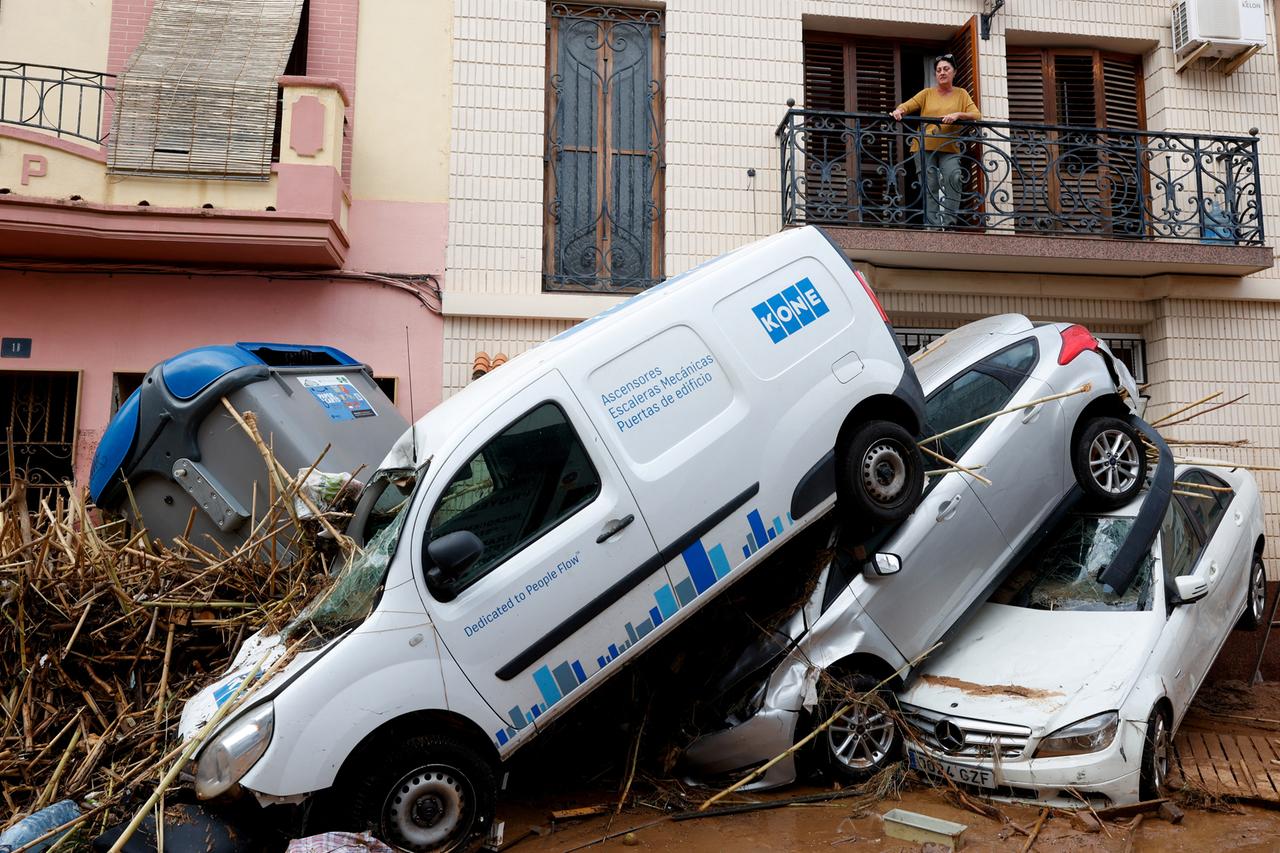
<point>59,201</point>
<point>1028,197</point>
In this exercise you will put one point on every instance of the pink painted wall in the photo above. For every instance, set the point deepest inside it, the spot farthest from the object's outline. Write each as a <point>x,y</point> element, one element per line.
<point>102,324</point>
<point>407,237</point>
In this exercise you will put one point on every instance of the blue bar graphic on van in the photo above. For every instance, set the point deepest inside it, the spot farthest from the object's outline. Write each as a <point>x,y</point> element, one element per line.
<point>790,310</point>
<point>706,567</point>
<point>699,565</point>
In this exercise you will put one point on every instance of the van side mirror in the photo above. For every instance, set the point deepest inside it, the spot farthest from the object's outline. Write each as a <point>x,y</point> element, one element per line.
<point>886,564</point>
<point>1190,588</point>
<point>450,556</point>
<point>455,552</point>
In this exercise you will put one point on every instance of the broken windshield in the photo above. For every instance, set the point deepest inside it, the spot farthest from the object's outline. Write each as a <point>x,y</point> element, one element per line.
<point>349,599</point>
<point>1064,574</point>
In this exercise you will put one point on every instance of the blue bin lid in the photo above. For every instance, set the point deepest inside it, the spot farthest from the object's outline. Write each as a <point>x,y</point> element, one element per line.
<point>185,376</point>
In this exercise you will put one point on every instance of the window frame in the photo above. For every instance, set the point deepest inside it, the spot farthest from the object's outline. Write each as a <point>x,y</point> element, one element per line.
<point>452,588</point>
<point>1001,374</point>
<point>554,279</point>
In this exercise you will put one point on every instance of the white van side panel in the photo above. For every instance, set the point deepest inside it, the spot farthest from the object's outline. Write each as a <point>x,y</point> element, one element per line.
<point>390,666</point>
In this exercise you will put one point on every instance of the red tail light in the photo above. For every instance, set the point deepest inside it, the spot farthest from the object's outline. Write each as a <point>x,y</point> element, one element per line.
<point>1075,340</point>
<point>871,293</point>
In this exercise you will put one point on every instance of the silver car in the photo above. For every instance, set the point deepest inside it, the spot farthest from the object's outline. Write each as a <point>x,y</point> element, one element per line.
<point>879,606</point>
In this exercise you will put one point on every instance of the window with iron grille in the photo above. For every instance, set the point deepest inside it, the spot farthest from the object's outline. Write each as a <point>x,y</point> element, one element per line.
<point>604,163</point>
<point>1131,350</point>
<point>37,430</point>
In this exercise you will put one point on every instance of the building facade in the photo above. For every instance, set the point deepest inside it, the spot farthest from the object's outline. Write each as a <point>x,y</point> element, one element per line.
<point>599,148</point>
<point>175,174</point>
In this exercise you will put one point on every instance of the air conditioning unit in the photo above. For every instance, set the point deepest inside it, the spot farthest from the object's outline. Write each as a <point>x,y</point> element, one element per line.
<point>1217,29</point>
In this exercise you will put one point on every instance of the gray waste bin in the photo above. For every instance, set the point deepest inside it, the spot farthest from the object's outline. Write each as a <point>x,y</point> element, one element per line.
<point>188,462</point>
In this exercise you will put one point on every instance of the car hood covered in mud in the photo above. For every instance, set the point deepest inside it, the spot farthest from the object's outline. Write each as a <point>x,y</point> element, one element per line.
<point>1037,668</point>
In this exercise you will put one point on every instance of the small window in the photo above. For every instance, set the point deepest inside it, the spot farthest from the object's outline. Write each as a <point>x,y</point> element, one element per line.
<point>122,386</point>
<point>525,481</point>
<point>969,396</point>
<point>389,386</point>
<point>1179,542</point>
<point>1018,359</point>
<point>1206,498</point>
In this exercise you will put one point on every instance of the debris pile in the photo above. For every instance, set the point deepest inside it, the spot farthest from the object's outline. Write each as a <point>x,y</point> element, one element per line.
<point>104,634</point>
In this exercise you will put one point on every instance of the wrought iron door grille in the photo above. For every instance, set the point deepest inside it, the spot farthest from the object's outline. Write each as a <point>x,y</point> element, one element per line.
<point>604,165</point>
<point>37,430</point>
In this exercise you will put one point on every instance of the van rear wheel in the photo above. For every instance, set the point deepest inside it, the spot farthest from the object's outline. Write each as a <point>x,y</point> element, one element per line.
<point>882,472</point>
<point>429,793</point>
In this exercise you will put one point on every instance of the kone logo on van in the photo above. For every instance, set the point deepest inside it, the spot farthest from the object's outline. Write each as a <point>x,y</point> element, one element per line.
<point>791,310</point>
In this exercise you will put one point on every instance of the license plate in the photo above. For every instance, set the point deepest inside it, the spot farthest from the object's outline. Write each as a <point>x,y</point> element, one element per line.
<point>965,774</point>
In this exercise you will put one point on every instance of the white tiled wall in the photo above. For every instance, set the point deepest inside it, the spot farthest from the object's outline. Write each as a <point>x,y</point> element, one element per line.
<point>730,67</point>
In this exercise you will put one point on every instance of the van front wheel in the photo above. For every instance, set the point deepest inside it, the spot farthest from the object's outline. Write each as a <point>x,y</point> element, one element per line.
<point>429,793</point>
<point>882,472</point>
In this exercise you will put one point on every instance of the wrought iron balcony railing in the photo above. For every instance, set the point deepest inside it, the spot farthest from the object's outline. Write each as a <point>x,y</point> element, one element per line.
<point>862,169</point>
<point>62,101</point>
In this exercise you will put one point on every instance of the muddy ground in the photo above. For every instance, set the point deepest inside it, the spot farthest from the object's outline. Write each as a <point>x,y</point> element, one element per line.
<point>855,824</point>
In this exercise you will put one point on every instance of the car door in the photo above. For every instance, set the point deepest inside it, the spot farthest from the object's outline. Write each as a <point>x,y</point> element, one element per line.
<point>1183,640</point>
<point>950,544</point>
<point>1019,452</point>
<point>551,600</point>
<point>1224,560</point>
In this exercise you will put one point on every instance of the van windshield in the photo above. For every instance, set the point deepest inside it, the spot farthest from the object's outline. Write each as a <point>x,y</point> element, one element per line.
<point>349,598</point>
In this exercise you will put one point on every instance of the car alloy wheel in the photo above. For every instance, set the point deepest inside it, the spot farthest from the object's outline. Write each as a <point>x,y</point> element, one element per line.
<point>863,737</point>
<point>427,807</point>
<point>1257,591</point>
<point>1160,747</point>
<point>1114,461</point>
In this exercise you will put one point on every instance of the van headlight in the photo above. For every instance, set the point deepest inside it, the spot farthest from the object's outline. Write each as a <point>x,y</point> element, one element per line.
<point>236,748</point>
<point>1089,735</point>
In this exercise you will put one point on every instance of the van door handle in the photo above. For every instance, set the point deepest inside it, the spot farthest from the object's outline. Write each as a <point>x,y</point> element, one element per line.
<point>613,527</point>
<point>948,508</point>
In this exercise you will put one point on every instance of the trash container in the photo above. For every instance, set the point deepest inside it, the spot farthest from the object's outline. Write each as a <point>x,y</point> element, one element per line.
<point>192,469</point>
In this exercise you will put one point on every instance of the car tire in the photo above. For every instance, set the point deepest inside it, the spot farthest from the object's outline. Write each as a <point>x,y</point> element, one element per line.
<point>882,472</point>
<point>428,793</point>
<point>1157,748</point>
<point>1109,462</point>
<point>865,739</point>
<point>1255,606</point>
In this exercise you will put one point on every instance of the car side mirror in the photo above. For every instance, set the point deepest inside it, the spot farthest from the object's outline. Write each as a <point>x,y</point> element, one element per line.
<point>1190,588</point>
<point>886,564</point>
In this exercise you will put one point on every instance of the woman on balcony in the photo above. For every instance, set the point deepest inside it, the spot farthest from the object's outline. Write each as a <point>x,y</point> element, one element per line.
<point>939,158</point>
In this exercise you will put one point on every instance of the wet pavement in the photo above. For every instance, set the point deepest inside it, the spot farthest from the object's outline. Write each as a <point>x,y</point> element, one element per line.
<point>838,827</point>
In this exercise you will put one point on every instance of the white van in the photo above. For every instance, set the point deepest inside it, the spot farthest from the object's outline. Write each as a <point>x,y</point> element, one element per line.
<point>533,533</point>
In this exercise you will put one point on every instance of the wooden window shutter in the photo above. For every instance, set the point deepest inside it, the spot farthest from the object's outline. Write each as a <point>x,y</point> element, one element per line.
<point>964,47</point>
<point>875,77</point>
<point>198,96</point>
<point>1026,80</point>
<point>824,76</point>
<point>1122,92</point>
<point>826,150</point>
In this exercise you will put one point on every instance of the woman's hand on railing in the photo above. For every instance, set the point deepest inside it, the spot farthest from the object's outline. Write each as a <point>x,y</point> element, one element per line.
<point>897,115</point>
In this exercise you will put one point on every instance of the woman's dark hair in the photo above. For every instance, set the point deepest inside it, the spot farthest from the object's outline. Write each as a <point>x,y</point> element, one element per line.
<point>948,58</point>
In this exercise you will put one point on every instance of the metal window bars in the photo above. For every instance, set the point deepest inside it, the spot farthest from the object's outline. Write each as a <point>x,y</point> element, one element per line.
<point>67,102</point>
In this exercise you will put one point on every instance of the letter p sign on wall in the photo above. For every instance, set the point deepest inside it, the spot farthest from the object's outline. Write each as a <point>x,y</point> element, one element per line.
<point>33,166</point>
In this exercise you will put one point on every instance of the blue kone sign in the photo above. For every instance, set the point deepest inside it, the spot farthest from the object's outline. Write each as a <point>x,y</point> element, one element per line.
<point>791,310</point>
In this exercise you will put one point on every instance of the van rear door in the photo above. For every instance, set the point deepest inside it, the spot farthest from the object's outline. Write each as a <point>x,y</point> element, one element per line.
<point>555,596</point>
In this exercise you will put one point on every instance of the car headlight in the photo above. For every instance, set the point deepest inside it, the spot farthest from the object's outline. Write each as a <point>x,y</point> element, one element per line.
<point>236,749</point>
<point>1089,735</point>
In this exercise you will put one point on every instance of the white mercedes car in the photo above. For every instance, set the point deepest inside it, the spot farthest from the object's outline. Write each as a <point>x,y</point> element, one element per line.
<point>1063,690</point>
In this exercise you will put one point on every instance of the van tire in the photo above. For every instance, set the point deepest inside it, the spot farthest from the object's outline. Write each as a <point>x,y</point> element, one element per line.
<point>882,472</point>
<point>864,740</point>
<point>1110,462</point>
<point>428,793</point>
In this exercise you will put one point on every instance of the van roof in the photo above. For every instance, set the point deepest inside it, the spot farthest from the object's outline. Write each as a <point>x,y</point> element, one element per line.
<point>480,395</point>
